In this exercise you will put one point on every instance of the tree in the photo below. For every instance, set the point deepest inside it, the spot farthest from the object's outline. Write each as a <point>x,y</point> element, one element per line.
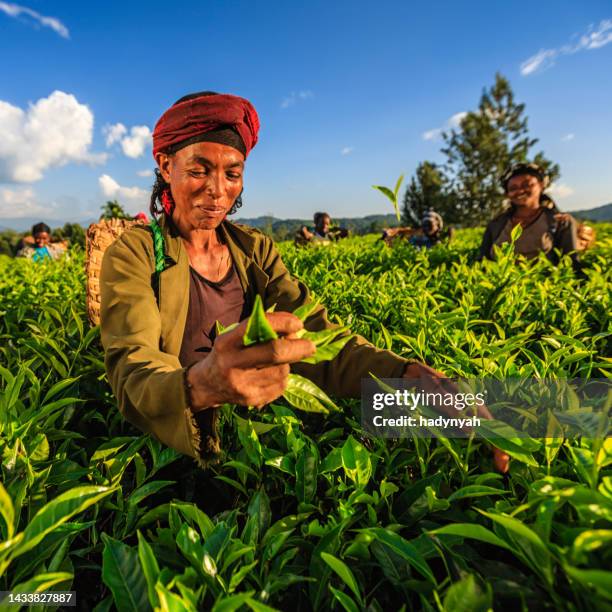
<point>113,210</point>
<point>487,142</point>
<point>73,232</point>
<point>428,188</point>
<point>9,241</point>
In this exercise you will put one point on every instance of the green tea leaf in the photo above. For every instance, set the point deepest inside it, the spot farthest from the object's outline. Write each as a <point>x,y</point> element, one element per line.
<point>7,512</point>
<point>37,584</point>
<point>505,438</point>
<point>526,543</point>
<point>356,462</point>
<point>386,192</point>
<point>306,475</point>
<point>598,580</point>
<point>475,491</point>
<point>259,509</point>
<point>588,541</point>
<point>472,531</point>
<point>344,572</point>
<point>466,596</point>
<point>171,602</point>
<point>150,568</point>
<point>328,352</point>
<point>57,512</point>
<point>345,601</point>
<point>303,312</point>
<point>122,574</point>
<point>258,328</point>
<point>221,329</point>
<point>304,395</point>
<point>232,603</point>
<point>403,548</point>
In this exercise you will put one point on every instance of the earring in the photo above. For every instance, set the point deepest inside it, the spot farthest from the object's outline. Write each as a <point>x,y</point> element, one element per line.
<point>167,201</point>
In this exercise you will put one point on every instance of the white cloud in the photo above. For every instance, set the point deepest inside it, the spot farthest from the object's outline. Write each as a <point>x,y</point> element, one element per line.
<point>52,132</point>
<point>145,173</point>
<point>567,137</point>
<point>134,198</point>
<point>22,202</point>
<point>451,122</point>
<point>593,38</point>
<point>456,119</point>
<point>133,143</point>
<point>18,203</point>
<point>113,133</point>
<point>545,58</point>
<point>347,150</point>
<point>432,134</point>
<point>15,10</point>
<point>295,97</point>
<point>560,190</point>
<point>596,38</point>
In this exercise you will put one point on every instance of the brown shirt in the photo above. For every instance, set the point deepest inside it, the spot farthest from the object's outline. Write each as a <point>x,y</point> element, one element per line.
<point>536,237</point>
<point>209,302</point>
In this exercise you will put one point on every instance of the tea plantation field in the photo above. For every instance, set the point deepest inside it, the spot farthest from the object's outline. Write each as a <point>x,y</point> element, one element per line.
<point>305,511</point>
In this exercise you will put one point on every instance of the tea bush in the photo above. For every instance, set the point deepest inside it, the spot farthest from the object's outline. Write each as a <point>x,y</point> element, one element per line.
<point>306,511</point>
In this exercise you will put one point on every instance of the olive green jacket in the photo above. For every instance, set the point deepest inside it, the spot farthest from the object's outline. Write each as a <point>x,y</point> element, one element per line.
<point>143,317</point>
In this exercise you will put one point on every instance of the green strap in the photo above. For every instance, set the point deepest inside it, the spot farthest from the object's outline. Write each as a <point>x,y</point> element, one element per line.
<point>158,246</point>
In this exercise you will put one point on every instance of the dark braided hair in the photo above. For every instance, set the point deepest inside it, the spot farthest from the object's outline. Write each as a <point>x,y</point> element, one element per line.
<point>155,207</point>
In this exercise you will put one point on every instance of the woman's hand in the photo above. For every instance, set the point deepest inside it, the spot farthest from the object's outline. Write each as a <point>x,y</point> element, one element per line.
<point>432,381</point>
<point>249,376</point>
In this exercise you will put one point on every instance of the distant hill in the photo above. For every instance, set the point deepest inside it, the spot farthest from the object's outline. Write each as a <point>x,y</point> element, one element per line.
<point>22,224</point>
<point>601,213</point>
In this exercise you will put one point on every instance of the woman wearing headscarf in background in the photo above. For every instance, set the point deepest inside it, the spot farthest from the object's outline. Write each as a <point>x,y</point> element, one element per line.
<point>432,231</point>
<point>544,228</point>
<point>166,367</point>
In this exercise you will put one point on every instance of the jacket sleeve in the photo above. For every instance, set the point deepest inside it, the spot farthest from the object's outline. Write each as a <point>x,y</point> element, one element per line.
<point>340,376</point>
<point>147,382</point>
<point>566,240</point>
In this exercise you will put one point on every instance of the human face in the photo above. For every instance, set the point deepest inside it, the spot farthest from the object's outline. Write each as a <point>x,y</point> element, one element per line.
<point>205,179</point>
<point>524,190</point>
<point>41,239</point>
<point>430,226</point>
<point>323,226</point>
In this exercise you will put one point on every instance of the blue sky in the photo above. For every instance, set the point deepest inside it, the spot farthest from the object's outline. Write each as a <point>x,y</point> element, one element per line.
<point>349,94</point>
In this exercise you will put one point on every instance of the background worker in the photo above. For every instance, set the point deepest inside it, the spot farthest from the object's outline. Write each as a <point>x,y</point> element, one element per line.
<point>544,229</point>
<point>322,231</point>
<point>39,247</point>
<point>429,233</point>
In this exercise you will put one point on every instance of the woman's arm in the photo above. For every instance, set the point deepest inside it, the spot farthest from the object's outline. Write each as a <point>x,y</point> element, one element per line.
<point>342,375</point>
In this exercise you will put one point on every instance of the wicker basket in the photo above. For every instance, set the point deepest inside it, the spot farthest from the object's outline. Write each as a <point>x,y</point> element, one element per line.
<point>100,236</point>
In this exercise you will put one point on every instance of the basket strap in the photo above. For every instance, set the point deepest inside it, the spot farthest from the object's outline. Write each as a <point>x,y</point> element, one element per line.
<point>158,246</point>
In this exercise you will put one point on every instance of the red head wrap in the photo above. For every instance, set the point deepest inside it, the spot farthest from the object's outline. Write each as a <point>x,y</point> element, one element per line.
<point>204,114</point>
